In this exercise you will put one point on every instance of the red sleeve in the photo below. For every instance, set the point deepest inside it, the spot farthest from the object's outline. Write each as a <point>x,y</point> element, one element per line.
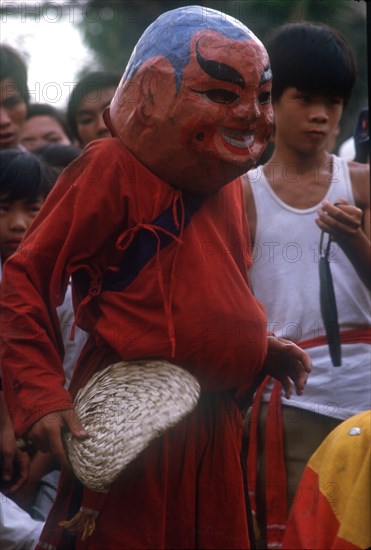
<point>78,222</point>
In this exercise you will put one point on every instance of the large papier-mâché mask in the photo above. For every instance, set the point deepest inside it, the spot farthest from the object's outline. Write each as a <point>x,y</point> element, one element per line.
<point>194,102</point>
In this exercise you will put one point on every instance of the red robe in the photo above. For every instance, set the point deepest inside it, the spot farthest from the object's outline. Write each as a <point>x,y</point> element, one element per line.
<point>190,303</point>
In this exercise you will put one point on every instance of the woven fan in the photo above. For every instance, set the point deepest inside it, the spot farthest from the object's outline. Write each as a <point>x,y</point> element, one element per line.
<point>123,408</point>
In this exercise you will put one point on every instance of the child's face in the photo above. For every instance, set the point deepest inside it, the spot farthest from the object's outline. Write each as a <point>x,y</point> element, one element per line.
<point>42,130</point>
<point>15,218</point>
<point>89,115</point>
<point>304,121</point>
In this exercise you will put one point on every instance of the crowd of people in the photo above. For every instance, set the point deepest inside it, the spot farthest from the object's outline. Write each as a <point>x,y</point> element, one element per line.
<point>149,221</point>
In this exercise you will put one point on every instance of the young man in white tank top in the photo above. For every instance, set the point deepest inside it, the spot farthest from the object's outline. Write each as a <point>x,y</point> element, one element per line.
<point>301,190</point>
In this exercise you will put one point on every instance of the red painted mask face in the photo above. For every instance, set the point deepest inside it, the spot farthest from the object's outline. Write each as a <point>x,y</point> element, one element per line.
<point>223,107</point>
<point>217,126</point>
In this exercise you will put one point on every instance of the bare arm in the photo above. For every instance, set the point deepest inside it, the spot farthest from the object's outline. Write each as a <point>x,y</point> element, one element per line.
<point>349,225</point>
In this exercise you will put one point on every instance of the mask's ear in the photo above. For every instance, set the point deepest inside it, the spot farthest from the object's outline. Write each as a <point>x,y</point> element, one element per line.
<point>156,85</point>
<point>142,103</point>
<point>148,85</point>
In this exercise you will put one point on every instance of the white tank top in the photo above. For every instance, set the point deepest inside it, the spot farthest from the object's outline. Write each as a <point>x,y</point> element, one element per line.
<point>284,276</point>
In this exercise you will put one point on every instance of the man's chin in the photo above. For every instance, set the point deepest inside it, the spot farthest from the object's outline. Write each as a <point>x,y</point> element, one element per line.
<point>225,171</point>
<point>210,177</point>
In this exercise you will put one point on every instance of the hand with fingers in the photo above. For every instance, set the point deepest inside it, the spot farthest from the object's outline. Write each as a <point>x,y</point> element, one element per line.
<point>287,363</point>
<point>47,433</point>
<point>349,226</point>
<point>341,219</point>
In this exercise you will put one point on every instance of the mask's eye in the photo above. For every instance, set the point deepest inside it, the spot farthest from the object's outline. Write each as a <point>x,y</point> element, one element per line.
<point>264,98</point>
<point>221,96</point>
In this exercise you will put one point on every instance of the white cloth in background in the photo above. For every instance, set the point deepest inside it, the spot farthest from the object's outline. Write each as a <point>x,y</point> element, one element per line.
<point>18,531</point>
<point>347,149</point>
<point>72,348</point>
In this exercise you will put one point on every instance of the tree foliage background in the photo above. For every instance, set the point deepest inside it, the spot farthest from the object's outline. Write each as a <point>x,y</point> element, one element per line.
<point>112,28</point>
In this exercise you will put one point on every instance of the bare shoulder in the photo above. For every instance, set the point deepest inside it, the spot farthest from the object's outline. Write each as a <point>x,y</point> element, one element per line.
<point>249,205</point>
<point>360,178</point>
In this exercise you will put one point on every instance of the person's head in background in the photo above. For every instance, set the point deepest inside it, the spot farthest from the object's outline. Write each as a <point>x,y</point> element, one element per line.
<point>14,96</point>
<point>313,69</point>
<point>44,124</point>
<point>25,182</point>
<point>58,155</point>
<point>87,103</point>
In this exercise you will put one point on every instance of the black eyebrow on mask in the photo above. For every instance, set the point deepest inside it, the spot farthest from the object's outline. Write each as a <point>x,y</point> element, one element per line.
<point>266,76</point>
<point>220,71</point>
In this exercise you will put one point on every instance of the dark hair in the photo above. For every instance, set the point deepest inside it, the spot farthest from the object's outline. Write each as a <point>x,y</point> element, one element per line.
<point>13,66</point>
<point>98,80</point>
<point>23,176</point>
<point>312,58</point>
<point>44,109</point>
<point>58,155</point>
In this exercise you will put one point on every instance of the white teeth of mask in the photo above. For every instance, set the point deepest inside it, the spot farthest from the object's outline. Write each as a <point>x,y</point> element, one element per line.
<point>241,142</point>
